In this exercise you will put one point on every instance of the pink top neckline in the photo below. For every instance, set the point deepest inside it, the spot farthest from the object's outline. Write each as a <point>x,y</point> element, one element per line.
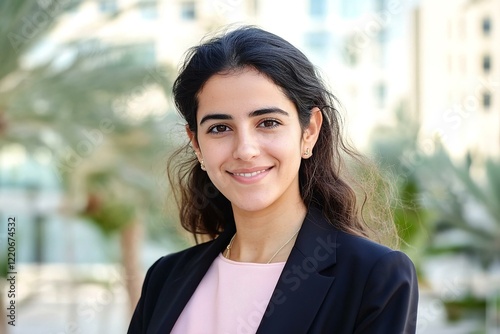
<point>231,298</point>
<point>225,259</point>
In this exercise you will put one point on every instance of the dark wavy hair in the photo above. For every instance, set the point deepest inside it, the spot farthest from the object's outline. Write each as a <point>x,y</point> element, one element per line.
<point>203,209</point>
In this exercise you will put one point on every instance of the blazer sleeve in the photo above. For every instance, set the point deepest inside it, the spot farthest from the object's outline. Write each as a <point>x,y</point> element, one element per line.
<point>143,311</point>
<point>390,297</point>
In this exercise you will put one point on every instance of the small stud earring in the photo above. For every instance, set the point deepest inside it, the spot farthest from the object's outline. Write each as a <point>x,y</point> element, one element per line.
<point>306,153</point>
<point>202,165</point>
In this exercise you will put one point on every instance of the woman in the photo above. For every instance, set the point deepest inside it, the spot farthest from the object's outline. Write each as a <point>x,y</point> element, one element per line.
<point>262,178</point>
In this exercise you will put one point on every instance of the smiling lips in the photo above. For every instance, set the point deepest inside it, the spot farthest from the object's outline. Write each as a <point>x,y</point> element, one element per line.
<point>249,175</point>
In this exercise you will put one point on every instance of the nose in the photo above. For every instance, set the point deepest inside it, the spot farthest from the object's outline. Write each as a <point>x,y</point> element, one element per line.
<point>246,146</point>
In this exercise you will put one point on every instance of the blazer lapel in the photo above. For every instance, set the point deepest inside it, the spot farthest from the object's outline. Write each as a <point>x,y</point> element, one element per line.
<point>304,282</point>
<point>174,297</point>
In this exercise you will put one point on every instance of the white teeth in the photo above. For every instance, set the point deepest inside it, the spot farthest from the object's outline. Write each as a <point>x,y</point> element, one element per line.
<point>249,174</point>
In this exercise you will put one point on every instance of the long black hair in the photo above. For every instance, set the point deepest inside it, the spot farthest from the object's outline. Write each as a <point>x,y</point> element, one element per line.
<point>204,210</point>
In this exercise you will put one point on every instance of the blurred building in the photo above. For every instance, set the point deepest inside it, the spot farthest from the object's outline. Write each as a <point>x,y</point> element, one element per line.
<point>162,30</point>
<point>363,48</point>
<point>459,77</point>
<point>433,59</point>
<point>357,45</point>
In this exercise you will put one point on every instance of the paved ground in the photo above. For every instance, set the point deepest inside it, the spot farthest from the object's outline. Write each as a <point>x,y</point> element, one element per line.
<point>55,302</point>
<point>61,300</point>
<point>44,316</point>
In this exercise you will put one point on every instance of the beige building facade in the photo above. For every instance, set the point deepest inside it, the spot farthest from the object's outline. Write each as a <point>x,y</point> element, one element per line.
<point>350,42</point>
<point>437,59</point>
<point>459,75</point>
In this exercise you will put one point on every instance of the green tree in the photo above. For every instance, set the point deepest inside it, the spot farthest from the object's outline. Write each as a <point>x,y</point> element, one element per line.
<point>395,148</point>
<point>78,102</point>
<point>464,194</point>
<point>464,203</point>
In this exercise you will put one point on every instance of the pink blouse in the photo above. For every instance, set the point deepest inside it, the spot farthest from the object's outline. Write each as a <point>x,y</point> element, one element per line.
<point>231,298</point>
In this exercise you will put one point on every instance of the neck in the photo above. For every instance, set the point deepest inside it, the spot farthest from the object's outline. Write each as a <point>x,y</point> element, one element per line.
<point>261,234</point>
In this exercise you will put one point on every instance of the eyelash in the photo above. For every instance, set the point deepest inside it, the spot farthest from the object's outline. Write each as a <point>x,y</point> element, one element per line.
<point>276,123</point>
<point>215,126</point>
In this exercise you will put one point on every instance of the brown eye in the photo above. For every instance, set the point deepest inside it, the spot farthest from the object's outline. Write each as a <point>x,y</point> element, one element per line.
<point>218,128</point>
<point>269,123</point>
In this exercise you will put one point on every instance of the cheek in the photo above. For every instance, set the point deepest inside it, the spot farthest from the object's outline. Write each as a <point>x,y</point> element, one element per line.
<point>289,141</point>
<point>215,152</point>
<point>287,150</point>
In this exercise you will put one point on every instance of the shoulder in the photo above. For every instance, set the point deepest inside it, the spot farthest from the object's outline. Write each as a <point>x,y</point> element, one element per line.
<point>386,283</point>
<point>163,273</point>
<point>372,261</point>
<point>168,269</point>
<point>366,259</point>
<point>175,262</point>
<point>347,252</point>
<point>360,248</point>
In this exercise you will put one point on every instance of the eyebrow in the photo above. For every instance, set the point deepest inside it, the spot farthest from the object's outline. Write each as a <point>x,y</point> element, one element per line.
<point>255,113</point>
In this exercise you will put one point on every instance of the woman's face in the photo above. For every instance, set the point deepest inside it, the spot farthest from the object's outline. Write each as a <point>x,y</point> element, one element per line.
<point>250,140</point>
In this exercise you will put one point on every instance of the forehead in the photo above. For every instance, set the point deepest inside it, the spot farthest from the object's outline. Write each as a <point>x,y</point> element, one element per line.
<point>243,90</point>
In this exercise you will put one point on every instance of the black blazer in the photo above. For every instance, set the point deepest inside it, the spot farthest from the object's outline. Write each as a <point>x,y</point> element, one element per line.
<point>332,282</point>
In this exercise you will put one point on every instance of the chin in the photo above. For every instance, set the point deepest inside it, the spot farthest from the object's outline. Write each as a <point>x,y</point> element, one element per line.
<point>250,206</point>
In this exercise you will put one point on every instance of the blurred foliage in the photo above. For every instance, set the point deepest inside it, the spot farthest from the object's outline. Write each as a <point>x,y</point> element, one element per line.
<point>435,195</point>
<point>71,88</point>
<point>465,204</point>
<point>3,266</point>
<point>442,205</point>
<point>392,147</point>
<point>104,206</point>
<point>458,309</point>
<point>80,98</point>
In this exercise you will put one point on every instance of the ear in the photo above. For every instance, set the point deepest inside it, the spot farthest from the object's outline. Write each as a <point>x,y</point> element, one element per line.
<point>311,132</point>
<point>194,142</point>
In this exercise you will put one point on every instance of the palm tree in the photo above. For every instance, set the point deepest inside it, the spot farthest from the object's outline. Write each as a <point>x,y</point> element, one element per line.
<point>122,191</point>
<point>393,147</point>
<point>465,204</point>
<point>436,196</point>
<point>465,195</point>
<point>76,104</point>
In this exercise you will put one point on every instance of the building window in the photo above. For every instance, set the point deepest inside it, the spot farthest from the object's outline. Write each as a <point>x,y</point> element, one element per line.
<point>380,5</point>
<point>463,28</point>
<point>317,8</point>
<point>255,7</point>
<point>188,11</point>
<point>354,9</point>
<point>486,63</point>
<point>382,36</point>
<point>148,9</point>
<point>318,41</point>
<point>463,64</point>
<point>486,26</point>
<point>486,100</point>
<point>351,50</point>
<point>381,94</point>
<point>108,6</point>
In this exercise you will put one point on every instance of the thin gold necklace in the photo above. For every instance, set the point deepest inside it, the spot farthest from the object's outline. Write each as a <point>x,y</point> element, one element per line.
<point>228,248</point>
